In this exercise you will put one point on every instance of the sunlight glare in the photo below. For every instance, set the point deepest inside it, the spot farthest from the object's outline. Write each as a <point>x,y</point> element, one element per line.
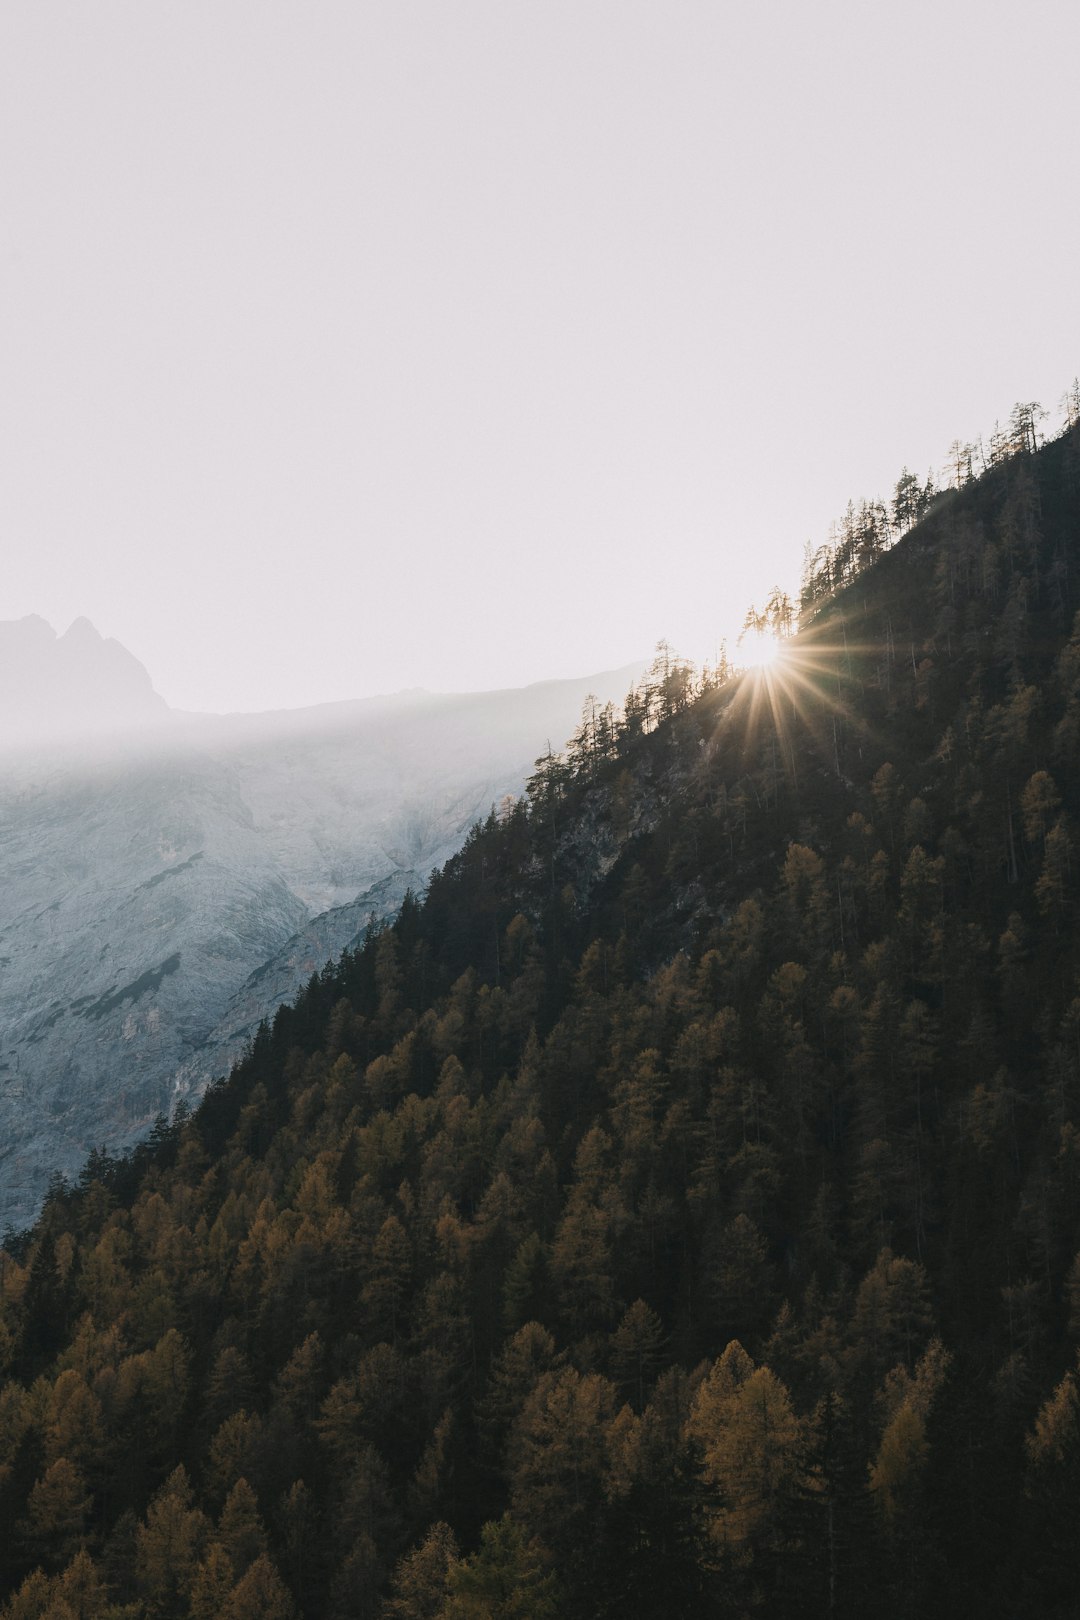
<point>757,649</point>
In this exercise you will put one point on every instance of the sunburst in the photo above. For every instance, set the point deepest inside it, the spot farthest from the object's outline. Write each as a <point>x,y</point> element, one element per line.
<point>792,684</point>
<point>758,649</point>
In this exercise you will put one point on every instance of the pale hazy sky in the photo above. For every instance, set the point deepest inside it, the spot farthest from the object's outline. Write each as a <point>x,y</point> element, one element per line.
<point>352,346</point>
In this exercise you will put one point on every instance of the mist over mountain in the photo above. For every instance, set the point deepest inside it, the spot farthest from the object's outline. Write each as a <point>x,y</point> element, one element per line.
<point>65,689</point>
<point>169,879</point>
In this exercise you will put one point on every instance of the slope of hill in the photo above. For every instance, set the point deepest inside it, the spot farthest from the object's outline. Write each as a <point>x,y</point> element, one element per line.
<point>677,1213</point>
<point>148,877</point>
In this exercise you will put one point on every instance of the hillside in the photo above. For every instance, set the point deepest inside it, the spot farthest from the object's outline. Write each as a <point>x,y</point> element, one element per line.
<point>676,1213</point>
<point>167,887</point>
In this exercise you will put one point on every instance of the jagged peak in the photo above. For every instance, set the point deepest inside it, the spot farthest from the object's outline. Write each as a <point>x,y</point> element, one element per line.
<point>82,630</point>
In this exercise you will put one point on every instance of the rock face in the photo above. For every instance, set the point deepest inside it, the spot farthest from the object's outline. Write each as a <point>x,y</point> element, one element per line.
<point>131,896</point>
<point>280,978</point>
<point>160,895</point>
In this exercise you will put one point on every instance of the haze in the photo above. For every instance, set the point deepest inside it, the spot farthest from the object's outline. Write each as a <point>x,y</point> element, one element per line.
<point>357,347</point>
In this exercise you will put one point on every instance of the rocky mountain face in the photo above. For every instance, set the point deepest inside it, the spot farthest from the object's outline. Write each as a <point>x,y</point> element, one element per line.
<point>278,981</point>
<point>166,889</point>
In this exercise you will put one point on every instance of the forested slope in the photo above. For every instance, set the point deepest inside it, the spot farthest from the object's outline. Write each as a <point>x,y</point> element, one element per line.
<point>675,1214</point>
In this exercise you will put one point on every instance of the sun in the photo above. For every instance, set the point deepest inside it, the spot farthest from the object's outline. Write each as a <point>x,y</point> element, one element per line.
<point>757,650</point>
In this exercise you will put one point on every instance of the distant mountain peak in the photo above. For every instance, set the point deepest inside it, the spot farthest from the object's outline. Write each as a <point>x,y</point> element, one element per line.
<point>81,630</point>
<point>67,689</point>
<point>31,628</point>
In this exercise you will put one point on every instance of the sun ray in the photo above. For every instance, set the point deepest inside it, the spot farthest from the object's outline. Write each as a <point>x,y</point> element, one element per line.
<point>757,649</point>
<point>792,687</point>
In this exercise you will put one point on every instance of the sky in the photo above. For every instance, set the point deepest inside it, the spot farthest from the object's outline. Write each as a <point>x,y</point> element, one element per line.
<point>347,347</point>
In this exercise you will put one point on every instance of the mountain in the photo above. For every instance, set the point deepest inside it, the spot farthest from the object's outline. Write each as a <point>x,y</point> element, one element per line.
<point>166,887</point>
<point>675,1212</point>
<point>282,976</point>
<point>78,685</point>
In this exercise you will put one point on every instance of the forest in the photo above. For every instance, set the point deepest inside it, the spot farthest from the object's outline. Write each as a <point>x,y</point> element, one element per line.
<point>676,1211</point>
